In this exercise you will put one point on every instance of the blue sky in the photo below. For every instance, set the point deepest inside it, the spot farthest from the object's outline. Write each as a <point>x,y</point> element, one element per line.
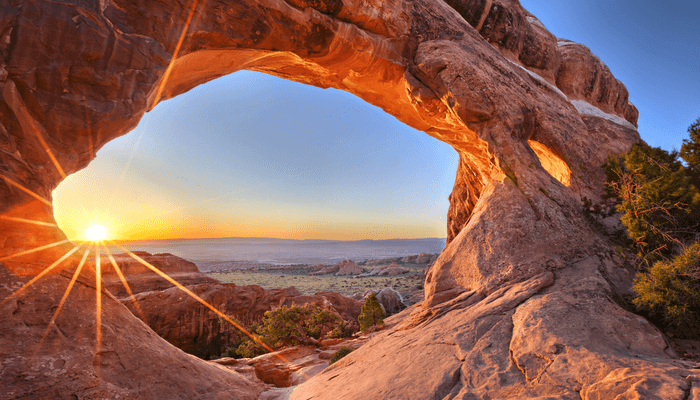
<point>253,155</point>
<point>653,47</point>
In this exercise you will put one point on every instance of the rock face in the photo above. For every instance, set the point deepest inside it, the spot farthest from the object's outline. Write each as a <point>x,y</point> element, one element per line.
<point>132,361</point>
<point>521,302</point>
<point>142,279</point>
<point>192,327</point>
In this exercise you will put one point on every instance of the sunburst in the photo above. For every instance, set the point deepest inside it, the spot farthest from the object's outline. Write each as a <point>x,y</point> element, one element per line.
<point>96,235</point>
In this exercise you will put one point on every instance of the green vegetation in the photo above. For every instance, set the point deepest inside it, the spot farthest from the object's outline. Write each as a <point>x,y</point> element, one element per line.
<point>342,330</point>
<point>342,352</point>
<point>671,289</point>
<point>657,192</point>
<point>661,206</point>
<point>289,326</point>
<point>371,314</point>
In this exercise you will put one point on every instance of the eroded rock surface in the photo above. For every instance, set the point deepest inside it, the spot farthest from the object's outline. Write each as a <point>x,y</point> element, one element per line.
<point>521,302</point>
<point>142,279</point>
<point>194,328</point>
<point>132,361</point>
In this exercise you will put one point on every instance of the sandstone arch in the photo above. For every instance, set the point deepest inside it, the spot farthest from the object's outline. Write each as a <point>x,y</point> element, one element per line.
<point>482,76</point>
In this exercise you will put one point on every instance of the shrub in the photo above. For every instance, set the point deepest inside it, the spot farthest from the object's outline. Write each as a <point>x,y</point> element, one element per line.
<point>671,289</point>
<point>371,314</point>
<point>290,326</point>
<point>342,352</point>
<point>249,348</point>
<point>660,204</point>
<point>343,330</point>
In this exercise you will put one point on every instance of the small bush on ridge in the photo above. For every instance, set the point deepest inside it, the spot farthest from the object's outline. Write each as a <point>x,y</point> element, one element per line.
<point>371,314</point>
<point>342,352</point>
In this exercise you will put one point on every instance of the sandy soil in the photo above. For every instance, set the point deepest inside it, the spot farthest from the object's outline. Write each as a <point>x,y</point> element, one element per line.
<point>410,285</point>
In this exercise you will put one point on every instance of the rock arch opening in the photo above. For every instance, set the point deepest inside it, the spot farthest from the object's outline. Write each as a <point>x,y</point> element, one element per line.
<point>481,78</point>
<point>551,162</point>
<point>250,155</point>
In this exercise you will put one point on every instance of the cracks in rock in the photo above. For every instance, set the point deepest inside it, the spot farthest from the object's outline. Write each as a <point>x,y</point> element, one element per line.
<point>446,388</point>
<point>512,359</point>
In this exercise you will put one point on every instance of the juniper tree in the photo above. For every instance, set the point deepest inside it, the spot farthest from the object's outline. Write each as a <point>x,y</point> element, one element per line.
<point>660,205</point>
<point>371,314</point>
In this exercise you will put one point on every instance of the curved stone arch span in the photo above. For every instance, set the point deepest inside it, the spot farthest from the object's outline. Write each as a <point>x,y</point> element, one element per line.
<point>521,255</point>
<point>420,62</point>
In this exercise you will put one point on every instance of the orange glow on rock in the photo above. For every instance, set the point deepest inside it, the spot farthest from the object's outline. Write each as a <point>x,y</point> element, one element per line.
<point>552,163</point>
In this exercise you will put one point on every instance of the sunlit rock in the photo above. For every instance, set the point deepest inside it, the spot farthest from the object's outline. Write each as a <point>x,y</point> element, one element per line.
<point>520,303</point>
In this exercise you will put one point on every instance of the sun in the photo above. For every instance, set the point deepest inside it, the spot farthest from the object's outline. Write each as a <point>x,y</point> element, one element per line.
<point>96,233</point>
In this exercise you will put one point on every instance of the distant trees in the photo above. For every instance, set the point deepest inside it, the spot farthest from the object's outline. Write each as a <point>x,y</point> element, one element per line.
<point>657,192</point>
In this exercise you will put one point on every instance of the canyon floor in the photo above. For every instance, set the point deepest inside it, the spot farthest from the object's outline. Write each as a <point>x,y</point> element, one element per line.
<point>409,284</point>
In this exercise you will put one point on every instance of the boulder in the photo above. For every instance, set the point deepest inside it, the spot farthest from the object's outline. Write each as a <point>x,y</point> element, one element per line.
<point>328,269</point>
<point>423,258</point>
<point>391,301</point>
<point>392,270</point>
<point>348,267</point>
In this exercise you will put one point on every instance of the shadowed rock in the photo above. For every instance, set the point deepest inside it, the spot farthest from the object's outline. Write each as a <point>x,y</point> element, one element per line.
<point>194,328</point>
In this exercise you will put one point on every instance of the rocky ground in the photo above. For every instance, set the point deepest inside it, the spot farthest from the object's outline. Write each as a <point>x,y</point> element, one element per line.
<point>409,283</point>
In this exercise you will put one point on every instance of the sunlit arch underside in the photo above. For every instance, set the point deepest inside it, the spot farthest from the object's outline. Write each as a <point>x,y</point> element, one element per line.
<point>551,162</point>
<point>28,221</point>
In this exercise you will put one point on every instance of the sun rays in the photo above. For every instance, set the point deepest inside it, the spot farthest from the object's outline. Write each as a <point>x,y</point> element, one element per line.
<point>168,70</point>
<point>96,248</point>
<point>25,190</point>
<point>64,298</point>
<point>96,237</point>
<point>194,296</point>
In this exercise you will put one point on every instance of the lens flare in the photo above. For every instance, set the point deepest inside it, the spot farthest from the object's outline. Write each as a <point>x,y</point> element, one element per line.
<point>96,233</point>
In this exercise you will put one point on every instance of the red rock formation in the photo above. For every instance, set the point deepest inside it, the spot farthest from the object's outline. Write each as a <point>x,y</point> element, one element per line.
<point>132,362</point>
<point>520,304</point>
<point>348,267</point>
<point>192,327</point>
<point>142,279</point>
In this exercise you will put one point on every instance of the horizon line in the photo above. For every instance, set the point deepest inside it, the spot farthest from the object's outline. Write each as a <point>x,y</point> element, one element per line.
<point>263,237</point>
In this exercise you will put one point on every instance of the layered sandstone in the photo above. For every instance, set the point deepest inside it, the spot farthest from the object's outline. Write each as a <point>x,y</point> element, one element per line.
<point>520,304</point>
<point>140,278</point>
